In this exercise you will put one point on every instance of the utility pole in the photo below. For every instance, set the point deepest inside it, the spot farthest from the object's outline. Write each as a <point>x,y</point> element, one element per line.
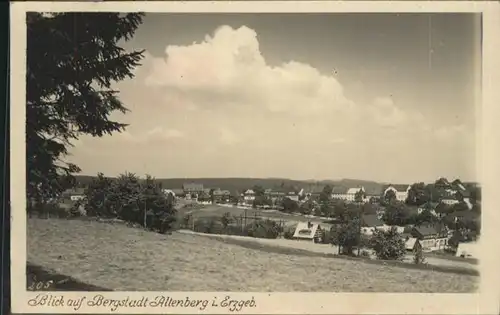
<point>245,222</point>
<point>145,211</point>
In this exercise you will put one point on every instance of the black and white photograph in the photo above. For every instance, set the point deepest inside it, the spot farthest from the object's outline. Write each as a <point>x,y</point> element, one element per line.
<point>252,152</point>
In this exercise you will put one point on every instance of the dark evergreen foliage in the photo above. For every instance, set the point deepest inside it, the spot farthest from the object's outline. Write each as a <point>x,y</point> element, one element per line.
<point>72,61</point>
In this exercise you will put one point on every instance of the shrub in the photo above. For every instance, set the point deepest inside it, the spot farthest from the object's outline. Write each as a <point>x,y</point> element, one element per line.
<point>263,229</point>
<point>77,210</point>
<point>288,234</point>
<point>234,230</point>
<point>163,223</point>
<point>418,257</point>
<point>53,210</point>
<point>226,219</point>
<point>185,221</point>
<point>209,226</point>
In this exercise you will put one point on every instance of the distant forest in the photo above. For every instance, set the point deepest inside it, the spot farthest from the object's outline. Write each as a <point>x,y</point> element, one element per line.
<point>241,184</point>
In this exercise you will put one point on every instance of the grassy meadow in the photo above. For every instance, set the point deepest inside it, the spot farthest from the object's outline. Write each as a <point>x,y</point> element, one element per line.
<point>121,258</point>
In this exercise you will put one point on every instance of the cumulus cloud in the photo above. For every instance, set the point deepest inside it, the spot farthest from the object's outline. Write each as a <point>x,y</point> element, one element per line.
<point>386,114</point>
<point>229,69</point>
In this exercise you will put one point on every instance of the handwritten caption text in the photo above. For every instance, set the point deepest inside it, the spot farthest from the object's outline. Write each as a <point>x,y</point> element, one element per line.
<point>160,301</point>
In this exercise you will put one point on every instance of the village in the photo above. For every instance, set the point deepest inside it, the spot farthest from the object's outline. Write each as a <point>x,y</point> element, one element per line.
<point>447,223</point>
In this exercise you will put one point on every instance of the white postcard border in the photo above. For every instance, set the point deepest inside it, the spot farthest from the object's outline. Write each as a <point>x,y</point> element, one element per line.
<point>485,302</point>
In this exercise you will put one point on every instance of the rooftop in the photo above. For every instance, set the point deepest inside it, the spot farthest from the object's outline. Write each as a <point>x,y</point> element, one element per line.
<point>306,230</point>
<point>192,186</point>
<point>398,187</point>
<point>339,190</point>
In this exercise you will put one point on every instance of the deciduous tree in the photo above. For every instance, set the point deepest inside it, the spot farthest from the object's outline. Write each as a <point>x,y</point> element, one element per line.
<point>289,205</point>
<point>346,235</point>
<point>396,213</point>
<point>388,245</point>
<point>389,196</point>
<point>417,194</point>
<point>359,196</point>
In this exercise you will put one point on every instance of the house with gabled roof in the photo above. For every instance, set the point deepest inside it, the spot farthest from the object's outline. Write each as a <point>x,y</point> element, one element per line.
<point>373,193</point>
<point>276,195</point>
<point>468,250</point>
<point>451,198</point>
<point>339,192</point>
<point>308,231</point>
<point>221,195</point>
<point>400,191</point>
<point>193,189</point>
<point>431,237</point>
<point>411,243</point>
<point>310,192</point>
<point>370,223</point>
<point>249,195</point>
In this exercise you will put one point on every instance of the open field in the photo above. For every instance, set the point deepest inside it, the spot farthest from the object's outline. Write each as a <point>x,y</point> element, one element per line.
<point>216,210</point>
<point>121,258</point>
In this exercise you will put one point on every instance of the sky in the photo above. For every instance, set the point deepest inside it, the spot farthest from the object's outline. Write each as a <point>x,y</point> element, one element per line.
<point>383,97</point>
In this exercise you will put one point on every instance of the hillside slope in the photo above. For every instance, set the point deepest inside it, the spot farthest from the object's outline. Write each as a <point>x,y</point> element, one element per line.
<point>122,258</point>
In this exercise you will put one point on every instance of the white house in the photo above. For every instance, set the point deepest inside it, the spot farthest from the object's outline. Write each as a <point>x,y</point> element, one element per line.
<point>347,194</point>
<point>451,200</point>
<point>249,195</point>
<point>77,197</point>
<point>430,238</point>
<point>468,250</point>
<point>339,193</point>
<point>308,231</point>
<point>401,191</point>
<point>74,194</point>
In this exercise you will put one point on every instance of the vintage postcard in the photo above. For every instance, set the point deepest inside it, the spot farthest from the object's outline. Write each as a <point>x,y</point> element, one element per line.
<point>255,157</point>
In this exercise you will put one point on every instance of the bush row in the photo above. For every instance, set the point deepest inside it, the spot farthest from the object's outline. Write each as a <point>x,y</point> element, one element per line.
<point>258,228</point>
